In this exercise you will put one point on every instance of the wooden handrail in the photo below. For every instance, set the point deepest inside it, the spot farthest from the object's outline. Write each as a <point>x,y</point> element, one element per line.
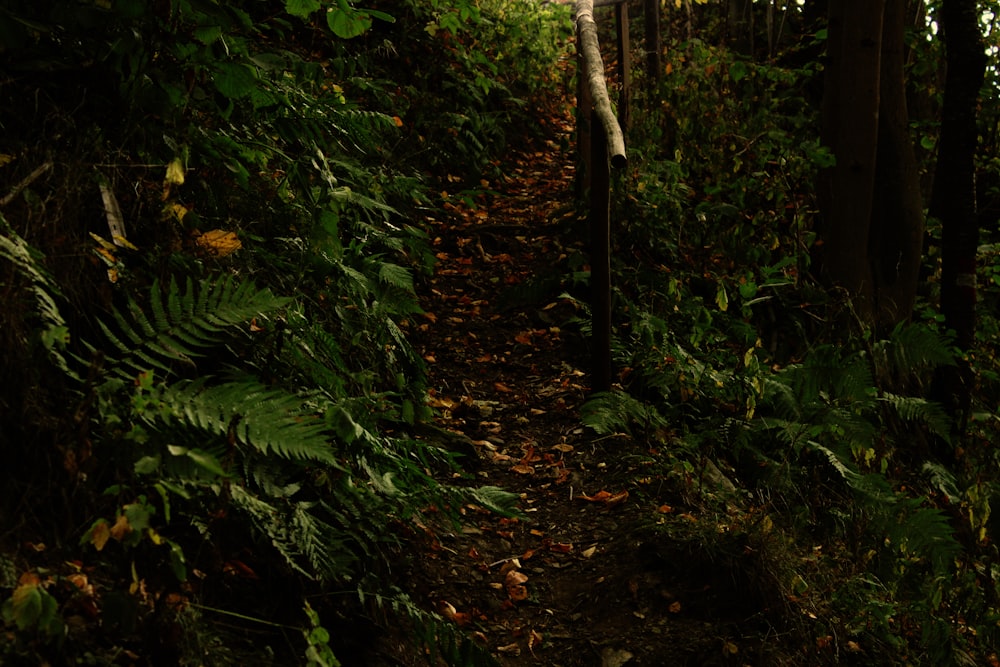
<point>603,145</point>
<point>593,66</point>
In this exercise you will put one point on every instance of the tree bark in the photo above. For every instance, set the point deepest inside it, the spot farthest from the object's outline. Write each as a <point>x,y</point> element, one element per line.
<point>871,223</point>
<point>953,198</point>
<point>850,129</point>
<point>895,242</point>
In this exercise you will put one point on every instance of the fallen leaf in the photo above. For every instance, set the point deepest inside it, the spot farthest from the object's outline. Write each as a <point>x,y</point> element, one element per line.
<point>517,593</point>
<point>219,242</point>
<point>534,639</point>
<point>589,551</point>
<point>500,386</point>
<point>563,447</point>
<point>522,469</point>
<point>509,649</point>
<point>674,608</point>
<point>514,578</point>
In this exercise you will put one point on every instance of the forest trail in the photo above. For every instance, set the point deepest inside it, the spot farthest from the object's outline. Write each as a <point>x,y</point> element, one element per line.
<point>577,580</point>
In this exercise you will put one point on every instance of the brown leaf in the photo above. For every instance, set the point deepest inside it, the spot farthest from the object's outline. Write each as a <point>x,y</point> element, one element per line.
<point>100,534</point>
<point>522,469</point>
<point>514,578</point>
<point>121,528</point>
<point>517,593</point>
<point>674,608</point>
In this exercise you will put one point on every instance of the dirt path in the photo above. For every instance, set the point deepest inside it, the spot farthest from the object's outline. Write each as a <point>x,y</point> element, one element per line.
<point>577,581</point>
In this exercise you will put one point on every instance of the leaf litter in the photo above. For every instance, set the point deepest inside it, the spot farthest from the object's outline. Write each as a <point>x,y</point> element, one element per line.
<point>575,580</point>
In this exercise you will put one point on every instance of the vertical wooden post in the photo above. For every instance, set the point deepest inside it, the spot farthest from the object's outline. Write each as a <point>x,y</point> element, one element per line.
<point>584,123</point>
<point>624,62</point>
<point>654,42</point>
<point>600,256</point>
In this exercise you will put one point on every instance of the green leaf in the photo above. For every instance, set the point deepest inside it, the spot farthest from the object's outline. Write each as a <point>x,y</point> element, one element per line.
<point>301,8</point>
<point>234,80</point>
<point>347,23</point>
<point>26,605</point>
<point>208,34</point>
<point>147,465</point>
<point>721,298</point>
<point>738,71</point>
<point>206,461</point>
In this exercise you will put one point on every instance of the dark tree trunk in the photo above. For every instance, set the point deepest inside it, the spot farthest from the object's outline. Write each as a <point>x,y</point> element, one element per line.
<point>850,130</point>
<point>871,222</point>
<point>953,198</point>
<point>895,244</point>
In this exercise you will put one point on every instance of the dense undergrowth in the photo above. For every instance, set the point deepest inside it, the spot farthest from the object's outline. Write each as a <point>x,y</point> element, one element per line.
<point>210,243</point>
<point>210,246</point>
<point>863,507</point>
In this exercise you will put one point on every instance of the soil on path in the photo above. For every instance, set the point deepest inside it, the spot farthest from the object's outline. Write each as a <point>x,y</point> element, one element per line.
<point>581,579</point>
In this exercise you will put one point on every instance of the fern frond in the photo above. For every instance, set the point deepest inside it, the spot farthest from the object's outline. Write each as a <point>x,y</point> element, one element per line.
<point>912,348</point>
<point>929,413</point>
<point>444,641</point>
<point>943,480</point>
<point>617,412</point>
<point>307,544</point>
<point>396,276</point>
<point>267,419</point>
<point>28,262</point>
<point>186,326</point>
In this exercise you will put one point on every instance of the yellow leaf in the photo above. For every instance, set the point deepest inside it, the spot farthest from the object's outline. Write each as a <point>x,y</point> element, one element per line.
<point>5,159</point>
<point>176,210</point>
<point>99,535</point>
<point>175,172</point>
<point>219,242</point>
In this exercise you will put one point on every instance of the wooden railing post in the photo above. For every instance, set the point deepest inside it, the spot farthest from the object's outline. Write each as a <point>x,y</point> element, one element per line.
<point>607,149</point>
<point>600,257</point>
<point>654,43</point>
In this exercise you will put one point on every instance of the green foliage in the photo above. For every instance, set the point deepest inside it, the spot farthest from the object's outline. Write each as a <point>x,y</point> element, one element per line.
<point>318,652</point>
<point>252,390</point>
<point>27,261</point>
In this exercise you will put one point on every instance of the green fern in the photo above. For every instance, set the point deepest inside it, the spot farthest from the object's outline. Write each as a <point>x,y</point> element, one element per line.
<point>267,419</point>
<point>28,261</point>
<point>618,412</point>
<point>444,641</point>
<point>186,326</point>
<point>912,349</point>
<point>921,411</point>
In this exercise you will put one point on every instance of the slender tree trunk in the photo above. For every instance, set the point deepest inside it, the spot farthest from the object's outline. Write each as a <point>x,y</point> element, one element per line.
<point>895,243</point>
<point>953,198</point>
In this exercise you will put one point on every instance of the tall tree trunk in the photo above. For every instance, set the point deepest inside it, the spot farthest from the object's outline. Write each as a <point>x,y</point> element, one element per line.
<point>871,222</point>
<point>850,130</point>
<point>895,243</point>
<point>953,198</point>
